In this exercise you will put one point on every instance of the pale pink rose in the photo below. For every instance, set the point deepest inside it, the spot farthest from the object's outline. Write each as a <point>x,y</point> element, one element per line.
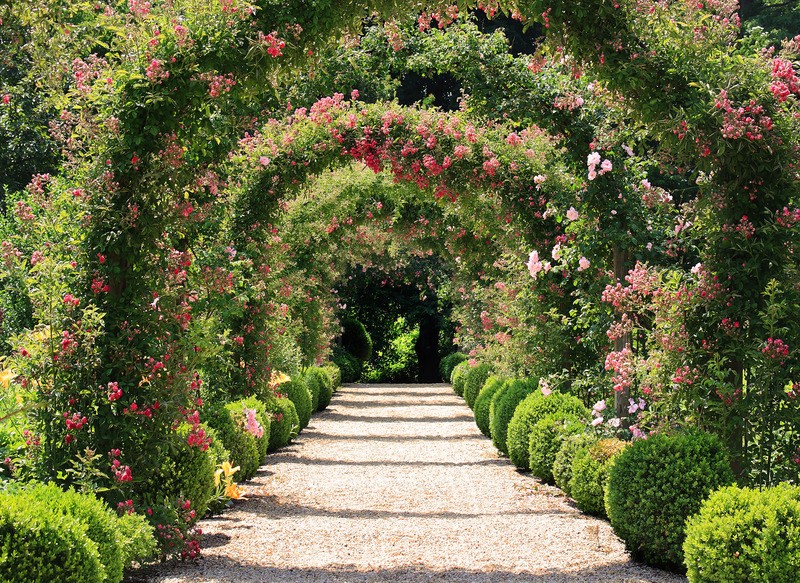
<point>606,166</point>
<point>583,264</point>
<point>572,214</point>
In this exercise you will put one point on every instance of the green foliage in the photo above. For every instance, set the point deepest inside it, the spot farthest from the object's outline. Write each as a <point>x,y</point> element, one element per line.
<point>449,362</point>
<point>314,385</point>
<point>504,405</point>
<point>396,362</point>
<point>298,393</point>
<point>529,412</point>
<point>656,484</point>
<point>317,377</point>
<point>742,534</point>
<point>562,464</point>
<point>334,374</point>
<point>546,437</point>
<point>348,364</point>
<point>138,543</point>
<point>484,401</point>
<point>285,423</point>
<point>458,376</point>
<point>228,421</point>
<point>590,468</point>
<point>356,340</point>
<point>474,379</point>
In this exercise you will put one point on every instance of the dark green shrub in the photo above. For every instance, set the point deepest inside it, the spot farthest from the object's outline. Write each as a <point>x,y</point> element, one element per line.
<point>264,420</point>
<point>502,408</point>
<point>285,423</point>
<point>298,393</point>
<point>356,340</point>
<point>474,379</point>
<point>562,464</point>
<point>659,482</point>
<point>745,535</point>
<point>534,408</point>
<point>101,523</point>
<point>590,469</point>
<point>325,386</point>
<point>334,375</point>
<point>349,366</point>
<point>457,378</point>
<point>41,545</point>
<point>546,438</point>
<point>314,387</point>
<point>242,446</point>
<point>484,401</point>
<point>449,362</point>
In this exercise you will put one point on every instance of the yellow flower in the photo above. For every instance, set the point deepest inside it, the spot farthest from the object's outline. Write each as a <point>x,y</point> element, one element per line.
<point>233,491</point>
<point>6,376</point>
<point>228,470</point>
<point>277,378</point>
<point>216,477</point>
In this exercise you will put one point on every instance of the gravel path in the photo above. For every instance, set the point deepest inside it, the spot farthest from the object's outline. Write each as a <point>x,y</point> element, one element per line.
<point>396,483</point>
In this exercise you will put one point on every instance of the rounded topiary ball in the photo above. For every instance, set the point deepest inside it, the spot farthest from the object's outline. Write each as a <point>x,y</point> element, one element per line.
<point>449,362</point>
<point>656,484</point>
<point>484,401</point>
<point>504,404</point>
<point>325,386</point>
<point>457,378</point>
<point>241,445</point>
<point>562,464</point>
<point>529,412</point>
<point>546,437</point>
<point>474,379</point>
<point>298,393</point>
<point>356,339</point>
<point>745,535</point>
<point>285,423</point>
<point>590,468</point>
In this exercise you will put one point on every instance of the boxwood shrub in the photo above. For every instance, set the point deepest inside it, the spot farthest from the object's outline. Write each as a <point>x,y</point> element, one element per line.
<point>474,379</point>
<point>562,464</point>
<point>484,401</point>
<point>535,407</point>
<point>324,385</point>
<point>659,482</point>
<point>285,422</point>
<point>504,404</point>
<point>314,387</point>
<point>334,375</point>
<point>265,420</point>
<point>449,362</point>
<point>546,437</point>
<point>241,445</point>
<point>298,393</point>
<point>349,366</point>
<point>457,378</point>
<point>745,535</point>
<point>590,468</point>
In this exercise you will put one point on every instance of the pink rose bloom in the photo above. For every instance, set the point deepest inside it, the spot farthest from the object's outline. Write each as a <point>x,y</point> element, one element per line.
<point>597,421</point>
<point>592,174</point>
<point>593,159</point>
<point>583,264</point>
<point>572,214</point>
<point>606,166</point>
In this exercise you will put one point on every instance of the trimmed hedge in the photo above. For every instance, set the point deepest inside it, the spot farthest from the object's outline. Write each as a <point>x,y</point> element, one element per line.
<point>356,339</point>
<point>334,374</point>
<point>324,385</point>
<point>449,362</point>
<point>47,535</point>
<point>745,535</point>
<point>656,484</point>
<point>298,393</point>
<point>530,411</point>
<point>562,464</point>
<point>314,386</point>
<point>546,438</point>
<point>474,379</point>
<point>285,423</point>
<point>484,401</point>
<point>241,445</point>
<point>590,469</point>
<point>457,378</point>
<point>502,408</point>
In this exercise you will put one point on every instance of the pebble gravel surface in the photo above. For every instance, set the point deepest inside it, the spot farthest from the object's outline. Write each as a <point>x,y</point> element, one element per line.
<point>396,483</point>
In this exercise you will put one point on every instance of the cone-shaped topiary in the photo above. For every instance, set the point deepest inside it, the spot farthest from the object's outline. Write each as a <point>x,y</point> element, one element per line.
<point>449,362</point>
<point>562,465</point>
<point>590,468</point>
<point>484,401</point>
<point>298,393</point>
<point>474,379</point>
<point>546,438</point>
<point>502,408</point>
<point>457,378</point>
<point>745,535</point>
<point>656,484</point>
<point>285,423</point>
<point>356,339</point>
<point>530,411</point>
